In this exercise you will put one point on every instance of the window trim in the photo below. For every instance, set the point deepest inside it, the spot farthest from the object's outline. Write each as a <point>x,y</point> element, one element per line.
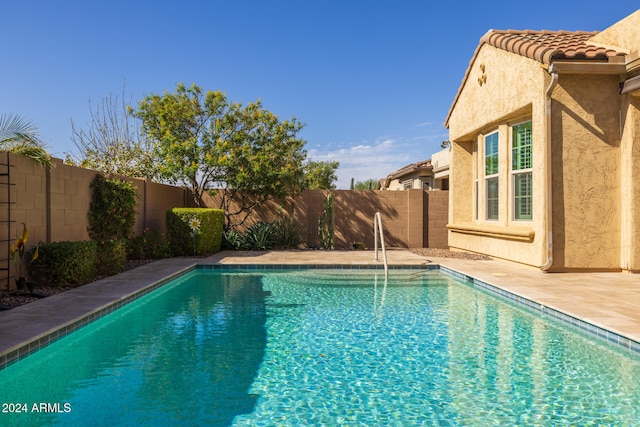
<point>491,177</point>
<point>515,173</point>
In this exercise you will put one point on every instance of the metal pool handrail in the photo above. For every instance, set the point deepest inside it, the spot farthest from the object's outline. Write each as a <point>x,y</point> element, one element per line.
<point>377,229</point>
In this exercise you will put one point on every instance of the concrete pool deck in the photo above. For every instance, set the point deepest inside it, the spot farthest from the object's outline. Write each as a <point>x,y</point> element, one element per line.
<point>607,300</point>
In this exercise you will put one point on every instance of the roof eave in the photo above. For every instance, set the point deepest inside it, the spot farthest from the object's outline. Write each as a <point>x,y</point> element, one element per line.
<point>587,67</point>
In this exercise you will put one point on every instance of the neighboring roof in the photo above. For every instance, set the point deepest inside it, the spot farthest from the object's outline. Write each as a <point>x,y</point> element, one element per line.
<point>424,165</point>
<point>542,46</point>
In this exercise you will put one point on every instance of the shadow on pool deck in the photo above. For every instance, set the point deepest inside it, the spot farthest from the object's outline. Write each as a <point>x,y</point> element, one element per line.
<point>606,300</point>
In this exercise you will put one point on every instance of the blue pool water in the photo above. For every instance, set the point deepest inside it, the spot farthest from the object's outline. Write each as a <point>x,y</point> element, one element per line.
<point>322,347</point>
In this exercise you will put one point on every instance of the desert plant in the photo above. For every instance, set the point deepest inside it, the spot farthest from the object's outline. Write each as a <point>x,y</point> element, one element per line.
<point>325,223</point>
<point>287,234</point>
<point>232,240</point>
<point>259,237</point>
<point>16,251</point>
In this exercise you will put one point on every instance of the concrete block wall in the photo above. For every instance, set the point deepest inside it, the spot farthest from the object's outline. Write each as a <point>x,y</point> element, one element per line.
<point>438,216</point>
<point>405,216</point>
<point>55,204</point>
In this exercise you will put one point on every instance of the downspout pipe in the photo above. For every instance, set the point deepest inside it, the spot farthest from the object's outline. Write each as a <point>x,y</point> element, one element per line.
<point>549,183</point>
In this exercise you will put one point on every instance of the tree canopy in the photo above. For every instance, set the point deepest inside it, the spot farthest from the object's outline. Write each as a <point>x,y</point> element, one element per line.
<point>369,184</point>
<point>19,136</point>
<point>321,175</point>
<point>111,142</point>
<point>244,154</point>
<point>204,141</point>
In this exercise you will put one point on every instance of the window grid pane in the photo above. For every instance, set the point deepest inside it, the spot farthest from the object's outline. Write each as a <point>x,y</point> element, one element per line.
<point>492,198</point>
<point>522,196</point>
<point>491,154</point>
<point>521,147</point>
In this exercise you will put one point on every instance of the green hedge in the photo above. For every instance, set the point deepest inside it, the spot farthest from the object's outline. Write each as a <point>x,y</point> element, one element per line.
<point>205,237</point>
<point>65,263</point>
<point>112,214</point>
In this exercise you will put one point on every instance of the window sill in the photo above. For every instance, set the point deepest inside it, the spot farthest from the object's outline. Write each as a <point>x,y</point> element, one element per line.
<point>519,233</point>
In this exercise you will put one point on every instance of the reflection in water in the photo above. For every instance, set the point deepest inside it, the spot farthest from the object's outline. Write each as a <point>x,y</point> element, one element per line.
<point>516,367</point>
<point>378,306</point>
<point>325,348</point>
<point>152,368</point>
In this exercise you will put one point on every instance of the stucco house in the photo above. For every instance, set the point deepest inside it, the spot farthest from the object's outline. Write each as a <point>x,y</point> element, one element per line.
<point>545,149</point>
<point>440,162</point>
<point>417,175</point>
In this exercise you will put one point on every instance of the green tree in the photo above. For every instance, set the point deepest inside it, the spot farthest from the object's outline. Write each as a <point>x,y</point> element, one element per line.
<point>320,175</point>
<point>205,142</point>
<point>184,128</point>
<point>111,142</point>
<point>369,184</point>
<point>21,137</point>
<point>260,158</point>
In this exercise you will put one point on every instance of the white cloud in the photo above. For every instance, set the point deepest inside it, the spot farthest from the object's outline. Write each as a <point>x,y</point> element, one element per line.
<point>369,161</point>
<point>423,124</point>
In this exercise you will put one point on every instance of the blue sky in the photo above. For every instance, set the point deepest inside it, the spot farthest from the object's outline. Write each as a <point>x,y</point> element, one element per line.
<point>372,80</point>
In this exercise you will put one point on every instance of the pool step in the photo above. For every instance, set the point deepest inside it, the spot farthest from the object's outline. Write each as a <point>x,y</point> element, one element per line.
<point>364,279</point>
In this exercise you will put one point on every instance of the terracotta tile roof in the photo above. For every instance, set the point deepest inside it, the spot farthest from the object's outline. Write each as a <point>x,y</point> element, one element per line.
<point>413,167</point>
<point>545,46</point>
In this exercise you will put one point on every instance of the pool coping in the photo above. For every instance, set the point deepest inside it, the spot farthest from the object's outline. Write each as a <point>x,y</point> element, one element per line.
<point>107,303</point>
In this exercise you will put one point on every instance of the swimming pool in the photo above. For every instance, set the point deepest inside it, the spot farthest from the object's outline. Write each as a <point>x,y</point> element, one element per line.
<point>322,347</point>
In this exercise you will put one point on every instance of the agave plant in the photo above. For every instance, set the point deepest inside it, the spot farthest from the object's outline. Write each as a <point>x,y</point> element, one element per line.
<point>259,237</point>
<point>16,251</point>
<point>21,137</point>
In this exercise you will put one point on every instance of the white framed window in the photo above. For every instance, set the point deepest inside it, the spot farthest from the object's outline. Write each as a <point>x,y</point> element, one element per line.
<point>522,171</point>
<point>491,178</point>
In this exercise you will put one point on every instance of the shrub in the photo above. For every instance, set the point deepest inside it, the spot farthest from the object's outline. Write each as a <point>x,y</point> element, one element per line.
<point>148,245</point>
<point>194,231</point>
<point>259,237</point>
<point>65,263</point>
<point>287,234</point>
<point>232,240</point>
<point>111,256</point>
<point>359,246</point>
<point>112,212</point>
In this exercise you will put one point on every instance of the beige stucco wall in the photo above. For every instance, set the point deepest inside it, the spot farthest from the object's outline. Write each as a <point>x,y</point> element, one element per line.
<point>623,35</point>
<point>418,182</point>
<point>586,173</point>
<point>512,91</point>
<point>593,173</point>
<point>630,183</point>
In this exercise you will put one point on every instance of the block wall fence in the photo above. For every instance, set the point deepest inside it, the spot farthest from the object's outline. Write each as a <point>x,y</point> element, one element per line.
<point>54,205</point>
